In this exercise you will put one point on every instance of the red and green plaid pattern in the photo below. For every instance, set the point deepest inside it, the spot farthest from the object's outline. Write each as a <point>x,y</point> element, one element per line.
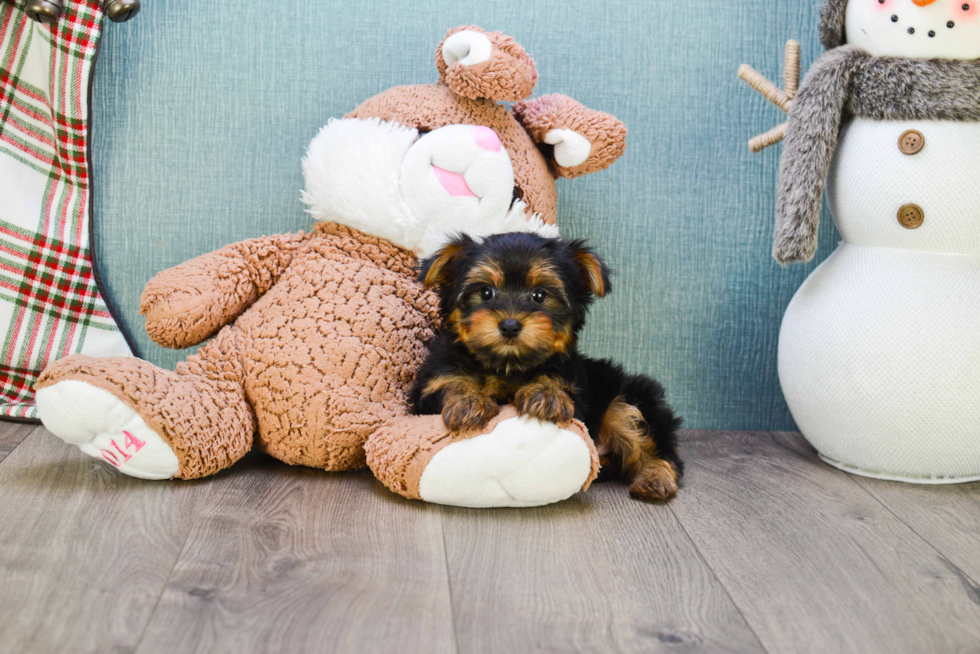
<point>50,303</point>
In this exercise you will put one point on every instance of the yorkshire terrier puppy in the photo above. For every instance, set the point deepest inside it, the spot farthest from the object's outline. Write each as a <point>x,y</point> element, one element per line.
<point>512,308</point>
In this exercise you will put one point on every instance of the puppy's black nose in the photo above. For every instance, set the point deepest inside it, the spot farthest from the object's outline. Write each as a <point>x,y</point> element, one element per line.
<point>510,328</point>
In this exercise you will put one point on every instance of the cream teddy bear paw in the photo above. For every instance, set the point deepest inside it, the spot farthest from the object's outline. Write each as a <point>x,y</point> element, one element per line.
<point>103,426</point>
<point>513,462</point>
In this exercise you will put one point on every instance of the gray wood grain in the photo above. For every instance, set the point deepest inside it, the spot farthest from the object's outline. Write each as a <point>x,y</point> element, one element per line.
<point>298,560</point>
<point>84,551</point>
<point>11,435</point>
<point>598,573</point>
<point>814,562</point>
<point>946,516</point>
<point>764,547</point>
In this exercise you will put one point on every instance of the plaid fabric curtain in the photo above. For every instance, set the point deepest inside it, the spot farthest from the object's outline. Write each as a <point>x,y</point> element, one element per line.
<point>50,302</point>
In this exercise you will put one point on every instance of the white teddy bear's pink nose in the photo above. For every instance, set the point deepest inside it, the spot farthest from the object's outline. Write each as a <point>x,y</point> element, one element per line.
<point>486,138</point>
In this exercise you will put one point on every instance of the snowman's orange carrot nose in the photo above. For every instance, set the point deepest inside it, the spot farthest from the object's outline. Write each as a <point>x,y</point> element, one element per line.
<point>923,3</point>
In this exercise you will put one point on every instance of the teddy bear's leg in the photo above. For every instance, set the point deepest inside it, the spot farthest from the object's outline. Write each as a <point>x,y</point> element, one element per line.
<point>513,461</point>
<point>148,422</point>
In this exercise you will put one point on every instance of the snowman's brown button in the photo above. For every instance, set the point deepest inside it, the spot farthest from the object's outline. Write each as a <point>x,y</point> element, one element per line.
<point>911,142</point>
<point>911,216</point>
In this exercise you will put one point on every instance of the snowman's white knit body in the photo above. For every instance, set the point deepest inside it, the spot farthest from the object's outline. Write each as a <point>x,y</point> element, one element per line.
<point>879,352</point>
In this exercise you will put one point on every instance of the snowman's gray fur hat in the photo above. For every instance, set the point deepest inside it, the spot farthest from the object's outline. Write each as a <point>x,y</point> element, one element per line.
<point>832,23</point>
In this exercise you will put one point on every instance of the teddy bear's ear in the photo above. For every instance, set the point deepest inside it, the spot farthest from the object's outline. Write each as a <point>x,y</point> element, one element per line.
<point>479,64</point>
<point>583,140</point>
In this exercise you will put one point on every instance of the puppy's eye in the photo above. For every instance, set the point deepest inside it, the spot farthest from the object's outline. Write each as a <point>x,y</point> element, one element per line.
<point>539,296</point>
<point>487,293</point>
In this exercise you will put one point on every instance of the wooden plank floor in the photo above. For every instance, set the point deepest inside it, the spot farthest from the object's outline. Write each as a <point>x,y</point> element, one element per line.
<point>766,549</point>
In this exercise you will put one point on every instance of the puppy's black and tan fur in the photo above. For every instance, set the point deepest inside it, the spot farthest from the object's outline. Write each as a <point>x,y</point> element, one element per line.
<point>512,308</point>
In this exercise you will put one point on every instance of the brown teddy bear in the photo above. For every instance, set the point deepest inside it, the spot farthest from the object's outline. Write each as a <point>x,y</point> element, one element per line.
<point>317,335</point>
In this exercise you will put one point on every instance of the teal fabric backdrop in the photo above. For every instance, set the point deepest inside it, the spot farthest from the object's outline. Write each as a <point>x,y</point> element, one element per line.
<point>202,111</point>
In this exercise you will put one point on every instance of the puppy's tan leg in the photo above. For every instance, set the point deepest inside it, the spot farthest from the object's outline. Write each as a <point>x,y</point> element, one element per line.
<point>624,435</point>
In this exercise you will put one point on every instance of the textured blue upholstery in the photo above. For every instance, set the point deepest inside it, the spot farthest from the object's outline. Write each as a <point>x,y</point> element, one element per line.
<point>202,111</point>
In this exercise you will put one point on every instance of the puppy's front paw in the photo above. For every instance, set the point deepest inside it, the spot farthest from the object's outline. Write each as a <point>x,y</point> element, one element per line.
<point>657,481</point>
<point>545,401</point>
<point>468,412</point>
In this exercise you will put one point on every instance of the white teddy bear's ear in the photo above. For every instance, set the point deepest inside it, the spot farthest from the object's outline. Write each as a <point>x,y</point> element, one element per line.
<point>571,148</point>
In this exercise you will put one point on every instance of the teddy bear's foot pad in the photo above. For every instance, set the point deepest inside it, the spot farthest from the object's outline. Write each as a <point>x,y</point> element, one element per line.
<point>103,426</point>
<point>522,462</point>
<point>514,461</point>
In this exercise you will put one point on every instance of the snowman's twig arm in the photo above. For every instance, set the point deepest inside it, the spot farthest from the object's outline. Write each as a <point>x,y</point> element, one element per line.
<point>791,69</point>
<point>772,137</point>
<point>782,98</point>
<point>767,89</point>
<point>811,137</point>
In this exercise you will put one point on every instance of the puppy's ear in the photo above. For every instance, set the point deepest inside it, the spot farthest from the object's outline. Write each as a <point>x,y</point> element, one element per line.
<point>594,271</point>
<point>438,268</point>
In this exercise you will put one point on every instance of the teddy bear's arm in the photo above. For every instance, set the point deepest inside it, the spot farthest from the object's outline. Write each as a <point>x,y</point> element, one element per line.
<point>186,304</point>
<point>584,140</point>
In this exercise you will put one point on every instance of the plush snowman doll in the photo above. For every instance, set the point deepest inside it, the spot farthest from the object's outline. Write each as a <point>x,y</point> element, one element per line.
<point>879,352</point>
